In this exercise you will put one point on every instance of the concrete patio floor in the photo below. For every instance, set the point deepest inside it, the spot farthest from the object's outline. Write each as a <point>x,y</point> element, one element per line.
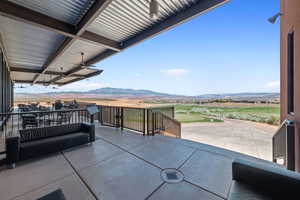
<point>251,138</point>
<point>128,166</point>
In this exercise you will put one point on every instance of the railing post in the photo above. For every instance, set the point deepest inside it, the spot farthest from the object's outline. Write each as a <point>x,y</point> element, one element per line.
<point>173,112</point>
<point>122,119</point>
<point>92,118</point>
<point>144,113</point>
<point>147,121</point>
<point>152,123</point>
<point>290,145</point>
<point>100,115</point>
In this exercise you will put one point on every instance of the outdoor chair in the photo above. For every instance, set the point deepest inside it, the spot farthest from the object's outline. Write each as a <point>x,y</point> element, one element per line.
<point>58,105</point>
<point>252,180</point>
<point>64,117</point>
<point>29,120</point>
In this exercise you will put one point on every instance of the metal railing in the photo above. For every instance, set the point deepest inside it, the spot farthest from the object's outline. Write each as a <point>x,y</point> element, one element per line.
<point>134,118</point>
<point>16,121</point>
<point>163,124</point>
<point>109,116</point>
<point>284,145</point>
<point>147,121</point>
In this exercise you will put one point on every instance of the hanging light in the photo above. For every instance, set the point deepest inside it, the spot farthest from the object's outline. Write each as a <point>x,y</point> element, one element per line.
<point>273,19</point>
<point>154,9</point>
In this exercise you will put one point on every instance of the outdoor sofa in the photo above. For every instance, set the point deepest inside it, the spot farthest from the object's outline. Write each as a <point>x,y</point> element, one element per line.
<point>34,142</point>
<point>259,181</point>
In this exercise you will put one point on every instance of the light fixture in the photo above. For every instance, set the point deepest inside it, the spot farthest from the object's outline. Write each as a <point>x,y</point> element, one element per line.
<point>82,64</point>
<point>154,9</point>
<point>273,19</point>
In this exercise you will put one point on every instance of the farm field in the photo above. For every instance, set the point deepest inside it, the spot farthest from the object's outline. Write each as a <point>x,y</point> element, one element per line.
<point>190,113</point>
<point>265,113</point>
<point>195,117</point>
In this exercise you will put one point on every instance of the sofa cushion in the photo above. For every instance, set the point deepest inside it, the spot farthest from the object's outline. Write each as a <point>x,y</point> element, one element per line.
<point>276,182</point>
<point>32,134</point>
<point>64,129</point>
<point>46,132</point>
<point>240,191</point>
<point>51,145</point>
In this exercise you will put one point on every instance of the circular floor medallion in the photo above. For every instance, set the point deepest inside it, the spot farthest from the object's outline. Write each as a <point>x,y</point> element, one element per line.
<point>171,175</point>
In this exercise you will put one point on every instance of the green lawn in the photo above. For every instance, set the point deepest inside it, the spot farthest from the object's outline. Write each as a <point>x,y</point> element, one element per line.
<point>194,117</point>
<point>258,113</point>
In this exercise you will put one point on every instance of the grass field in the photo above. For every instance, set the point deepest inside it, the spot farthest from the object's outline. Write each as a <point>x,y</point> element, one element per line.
<point>187,113</point>
<point>194,117</point>
<point>253,112</point>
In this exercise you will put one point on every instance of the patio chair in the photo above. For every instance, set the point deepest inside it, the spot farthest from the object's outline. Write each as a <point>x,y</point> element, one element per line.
<point>29,120</point>
<point>63,117</point>
<point>58,105</point>
<point>253,180</point>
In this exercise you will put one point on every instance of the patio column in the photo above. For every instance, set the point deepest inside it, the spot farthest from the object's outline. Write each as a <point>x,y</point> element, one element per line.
<point>290,68</point>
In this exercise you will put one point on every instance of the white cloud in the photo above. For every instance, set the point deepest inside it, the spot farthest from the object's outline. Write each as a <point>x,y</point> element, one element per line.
<point>175,72</point>
<point>84,86</point>
<point>273,85</point>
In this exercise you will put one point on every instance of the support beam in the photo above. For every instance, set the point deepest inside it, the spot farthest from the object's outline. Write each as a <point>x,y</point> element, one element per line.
<point>93,12</point>
<point>191,12</point>
<point>26,15</point>
<point>35,71</point>
<point>197,9</point>
<point>87,76</point>
<point>78,77</point>
<point>3,49</point>
<point>98,39</point>
<point>101,56</point>
<point>29,82</point>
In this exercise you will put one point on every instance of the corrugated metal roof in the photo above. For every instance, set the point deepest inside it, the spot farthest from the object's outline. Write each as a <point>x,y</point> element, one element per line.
<point>122,19</point>
<point>70,11</point>
<point>27,46</point>
<point>86,71</point>
<point>22,76</point>
<point>72,57</point>
<point>29,76</point>
<point>46,77</point>
<point>64,80</point>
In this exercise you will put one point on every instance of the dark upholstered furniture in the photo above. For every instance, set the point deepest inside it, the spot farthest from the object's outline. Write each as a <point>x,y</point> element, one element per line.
<point>55,195</point>
<point>262,182</point>
<point>35,142</point>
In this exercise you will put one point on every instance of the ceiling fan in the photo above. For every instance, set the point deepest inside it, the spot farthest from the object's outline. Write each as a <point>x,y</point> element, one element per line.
<point>82,64</point>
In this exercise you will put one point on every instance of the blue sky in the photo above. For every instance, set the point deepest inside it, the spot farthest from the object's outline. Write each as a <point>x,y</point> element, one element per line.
<point>227,50</point>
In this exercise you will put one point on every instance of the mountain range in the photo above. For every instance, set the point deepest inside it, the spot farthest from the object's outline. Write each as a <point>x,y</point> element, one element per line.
<point>109,92</point>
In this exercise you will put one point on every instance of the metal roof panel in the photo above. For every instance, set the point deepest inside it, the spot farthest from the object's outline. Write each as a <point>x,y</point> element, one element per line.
<point>70,11</point>
<point>72,56</point>
<point>123,19</point>
<point>27,46</point>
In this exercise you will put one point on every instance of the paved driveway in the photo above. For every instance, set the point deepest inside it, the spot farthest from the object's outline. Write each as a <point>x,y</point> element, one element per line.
<point>246,137</point>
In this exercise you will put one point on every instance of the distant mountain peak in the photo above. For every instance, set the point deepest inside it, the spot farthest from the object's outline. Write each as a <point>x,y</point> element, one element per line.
<point>124,91</point>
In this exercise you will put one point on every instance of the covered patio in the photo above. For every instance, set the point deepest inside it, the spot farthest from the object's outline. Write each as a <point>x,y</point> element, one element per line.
<point>59,42</point>
<point>126,165</point>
